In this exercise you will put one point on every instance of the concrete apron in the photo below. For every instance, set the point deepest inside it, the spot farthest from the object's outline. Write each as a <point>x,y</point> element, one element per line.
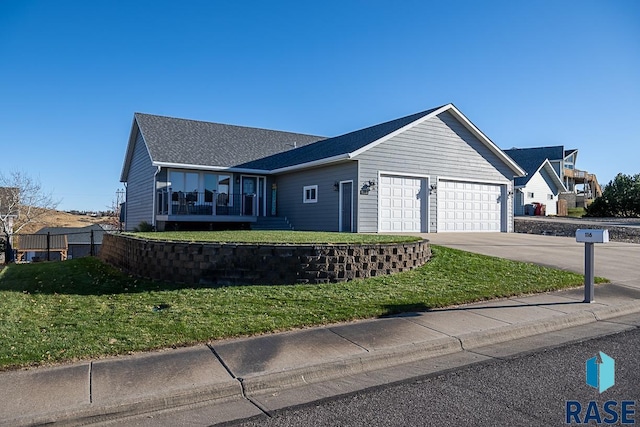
<point>617,261</point>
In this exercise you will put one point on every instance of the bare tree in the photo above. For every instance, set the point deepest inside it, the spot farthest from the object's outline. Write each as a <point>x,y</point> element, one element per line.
<point>22,201</point>
<point>113,215</point>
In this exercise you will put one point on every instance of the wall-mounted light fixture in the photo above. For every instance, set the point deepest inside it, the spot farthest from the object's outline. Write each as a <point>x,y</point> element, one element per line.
<point>510,193</point>
<point>336,186</point>
<point>432,188</point>
<point>367,186</point>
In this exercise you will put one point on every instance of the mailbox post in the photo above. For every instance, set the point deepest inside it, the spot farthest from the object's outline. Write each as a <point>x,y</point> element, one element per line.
<point>589,237</point>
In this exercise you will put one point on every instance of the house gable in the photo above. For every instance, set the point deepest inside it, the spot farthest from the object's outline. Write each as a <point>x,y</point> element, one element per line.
<point>350,145</point>
<point>440,146</point>
<point>531,159</point>
<point>335,149</point>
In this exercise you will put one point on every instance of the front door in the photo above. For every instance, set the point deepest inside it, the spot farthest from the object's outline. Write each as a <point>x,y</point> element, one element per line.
<point>346,206</point>
<point>249,195</point>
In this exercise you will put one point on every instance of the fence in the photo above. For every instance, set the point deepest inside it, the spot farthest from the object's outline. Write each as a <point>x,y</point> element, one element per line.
<point>207,203</point>
<point>57,246</point>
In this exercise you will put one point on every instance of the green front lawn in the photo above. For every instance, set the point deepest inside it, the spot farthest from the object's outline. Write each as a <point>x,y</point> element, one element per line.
<point>279,236</point>
<point>82,308</point>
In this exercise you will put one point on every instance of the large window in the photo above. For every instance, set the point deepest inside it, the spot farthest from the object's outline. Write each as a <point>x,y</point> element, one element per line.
<point>186,182</point>
<point>218,184</point>
<point>184,186</point>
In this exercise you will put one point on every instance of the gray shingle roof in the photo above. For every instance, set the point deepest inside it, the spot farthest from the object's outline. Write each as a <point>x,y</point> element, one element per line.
<point>530,159</point>
<point>331,147</point>
<point>191,142</point>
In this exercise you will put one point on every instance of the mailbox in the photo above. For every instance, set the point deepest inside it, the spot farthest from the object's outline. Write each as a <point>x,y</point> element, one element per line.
<point>589,237</point>
<point>592,236</point>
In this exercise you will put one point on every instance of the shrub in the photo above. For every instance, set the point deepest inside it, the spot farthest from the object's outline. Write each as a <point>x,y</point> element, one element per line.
<point>620,198</point>
<point>144,227</point>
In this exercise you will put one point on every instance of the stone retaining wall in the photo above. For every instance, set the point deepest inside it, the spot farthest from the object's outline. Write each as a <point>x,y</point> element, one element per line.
<point>238,263</point>
<point>617,234</point>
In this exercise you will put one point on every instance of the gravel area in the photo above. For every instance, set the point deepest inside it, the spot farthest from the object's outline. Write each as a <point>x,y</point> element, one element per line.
<point>620,229</point>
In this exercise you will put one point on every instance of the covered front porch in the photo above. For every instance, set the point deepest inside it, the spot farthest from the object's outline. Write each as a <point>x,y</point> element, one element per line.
<point>205,207</point>
<point>189,196</point>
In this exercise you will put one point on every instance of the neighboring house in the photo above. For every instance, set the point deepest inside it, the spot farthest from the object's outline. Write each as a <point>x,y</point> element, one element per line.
<point>583,185</point>
<point>79,239</point>
<point>433,171</point>
<point>541,184</point>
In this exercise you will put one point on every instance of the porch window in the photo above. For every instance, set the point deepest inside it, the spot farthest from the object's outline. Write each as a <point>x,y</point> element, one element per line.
<point>183,183</point>
<point>310,194</point>
<point>214,183</point>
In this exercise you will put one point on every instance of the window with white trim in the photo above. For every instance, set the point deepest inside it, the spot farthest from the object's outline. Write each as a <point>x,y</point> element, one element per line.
<point>310,194</point>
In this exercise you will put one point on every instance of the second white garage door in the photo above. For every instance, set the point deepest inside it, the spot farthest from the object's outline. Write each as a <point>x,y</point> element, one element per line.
<point>402,203</point>
<point>469,206</point>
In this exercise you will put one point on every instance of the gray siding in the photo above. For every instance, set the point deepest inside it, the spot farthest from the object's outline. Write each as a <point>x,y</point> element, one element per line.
<point>140,186</point>
<point>323,215</point>
<point>438,147</point>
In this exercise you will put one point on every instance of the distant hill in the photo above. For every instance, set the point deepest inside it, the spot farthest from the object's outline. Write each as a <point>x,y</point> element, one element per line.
<point>54,218</point>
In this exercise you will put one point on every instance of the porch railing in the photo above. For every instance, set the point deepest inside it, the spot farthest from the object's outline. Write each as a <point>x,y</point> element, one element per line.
<point>208,203</point>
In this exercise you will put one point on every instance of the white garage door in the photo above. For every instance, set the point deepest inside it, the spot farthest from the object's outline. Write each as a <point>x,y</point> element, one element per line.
<point>402,203</point>
<point>469,206</point>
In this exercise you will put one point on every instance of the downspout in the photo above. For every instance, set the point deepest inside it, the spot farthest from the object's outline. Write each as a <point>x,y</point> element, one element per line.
<point>126,196</point>
<point>155,192</point>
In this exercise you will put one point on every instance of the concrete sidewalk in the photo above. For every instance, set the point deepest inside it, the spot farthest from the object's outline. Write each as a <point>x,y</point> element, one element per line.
<point>244,377</point>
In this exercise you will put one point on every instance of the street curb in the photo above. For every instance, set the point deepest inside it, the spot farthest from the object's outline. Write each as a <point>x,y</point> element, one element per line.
<point>379,359</point>
<point>98,413</point>
<point>501,334</point>
<point>609,312</point>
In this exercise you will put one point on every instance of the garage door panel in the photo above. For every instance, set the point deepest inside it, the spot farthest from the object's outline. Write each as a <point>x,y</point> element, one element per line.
<point>469,206</point>
<point>403,197</point>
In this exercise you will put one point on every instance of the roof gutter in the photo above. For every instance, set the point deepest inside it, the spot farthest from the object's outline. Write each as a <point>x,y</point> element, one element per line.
<point>339,157</point>
<point>211,168</point>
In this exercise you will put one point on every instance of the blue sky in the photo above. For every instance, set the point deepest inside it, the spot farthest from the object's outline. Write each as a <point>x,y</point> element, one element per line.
<point>72,73</point>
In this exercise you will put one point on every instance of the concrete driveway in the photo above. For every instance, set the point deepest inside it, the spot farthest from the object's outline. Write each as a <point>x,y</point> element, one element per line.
<point>618,262</point>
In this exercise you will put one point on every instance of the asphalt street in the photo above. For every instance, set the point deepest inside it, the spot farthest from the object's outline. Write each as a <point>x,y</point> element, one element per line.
<point>528,390</point>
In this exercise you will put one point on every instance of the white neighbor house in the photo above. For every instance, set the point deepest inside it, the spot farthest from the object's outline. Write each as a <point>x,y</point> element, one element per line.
<point>541,185</point>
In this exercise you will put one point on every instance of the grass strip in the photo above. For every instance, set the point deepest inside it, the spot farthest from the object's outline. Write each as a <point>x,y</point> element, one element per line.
<point>276,236</point>
<point>84,308</point>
